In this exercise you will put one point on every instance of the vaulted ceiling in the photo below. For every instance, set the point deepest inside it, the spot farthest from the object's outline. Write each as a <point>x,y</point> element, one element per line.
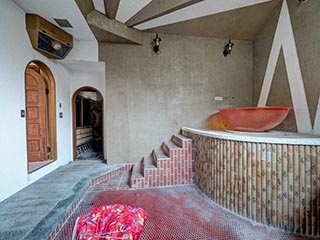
<point>124,21</point>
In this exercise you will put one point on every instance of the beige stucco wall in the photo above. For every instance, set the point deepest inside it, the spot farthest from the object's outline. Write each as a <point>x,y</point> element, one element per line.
<point>306,24</point>
<point>149,96</point>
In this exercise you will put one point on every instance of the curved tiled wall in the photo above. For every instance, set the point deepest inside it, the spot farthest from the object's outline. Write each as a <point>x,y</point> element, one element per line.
<point>271,183</point>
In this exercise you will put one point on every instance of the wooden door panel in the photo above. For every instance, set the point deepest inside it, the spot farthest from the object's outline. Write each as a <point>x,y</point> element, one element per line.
<point>33,130</point>
<point>34,149</point>
<point>36,116</point>
<point>30,81</point>
<point>33,113</point>
<point>34,146</point>
<point>32,96</point>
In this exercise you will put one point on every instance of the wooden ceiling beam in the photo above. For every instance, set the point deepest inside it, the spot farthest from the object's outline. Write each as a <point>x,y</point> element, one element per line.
<point>158,8</point>
<point>85,6</point>
<point>114,30</point>
<point>111,7</point>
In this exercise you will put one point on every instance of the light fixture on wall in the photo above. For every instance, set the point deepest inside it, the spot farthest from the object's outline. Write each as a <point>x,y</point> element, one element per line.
<point>156,44</point>
<point>228,48</point>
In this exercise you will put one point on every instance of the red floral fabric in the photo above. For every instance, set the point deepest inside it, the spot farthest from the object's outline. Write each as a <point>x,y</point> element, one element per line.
<point>116,221</point>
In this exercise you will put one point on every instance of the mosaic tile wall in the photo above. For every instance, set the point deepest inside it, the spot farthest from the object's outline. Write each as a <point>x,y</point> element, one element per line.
<point>274,184</point>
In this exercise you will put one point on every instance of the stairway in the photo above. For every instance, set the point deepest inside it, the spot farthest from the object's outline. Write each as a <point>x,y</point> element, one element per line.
<point>170,165</point>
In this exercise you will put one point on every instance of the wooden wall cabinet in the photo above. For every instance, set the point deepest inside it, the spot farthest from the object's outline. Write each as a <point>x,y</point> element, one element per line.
<point>47,38</point>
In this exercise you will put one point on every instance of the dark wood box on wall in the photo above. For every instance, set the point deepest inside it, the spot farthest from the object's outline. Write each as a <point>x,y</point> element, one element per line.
<point>47,38</point>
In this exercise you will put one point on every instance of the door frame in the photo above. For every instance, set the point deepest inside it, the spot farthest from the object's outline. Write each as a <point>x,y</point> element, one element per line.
<point>74,119</point>
<point>50,83</point>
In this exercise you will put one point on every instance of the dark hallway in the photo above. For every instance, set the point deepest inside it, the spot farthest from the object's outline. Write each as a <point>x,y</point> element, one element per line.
<point>88,114</point>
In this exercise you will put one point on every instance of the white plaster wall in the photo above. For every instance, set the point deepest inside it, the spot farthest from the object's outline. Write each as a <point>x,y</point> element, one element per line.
<point>84,51</point>
<point>88,74</point>
<point>16,53</point>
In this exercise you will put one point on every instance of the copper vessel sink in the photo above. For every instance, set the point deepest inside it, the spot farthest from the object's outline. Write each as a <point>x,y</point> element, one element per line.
<point>254,119</point>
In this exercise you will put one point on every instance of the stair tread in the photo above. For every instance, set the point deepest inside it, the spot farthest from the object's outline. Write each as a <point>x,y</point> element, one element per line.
<point>172,145</point>
<point>160,154</point>
<point>183,137</point>
<point>148,163</point>
<point>136,171</point>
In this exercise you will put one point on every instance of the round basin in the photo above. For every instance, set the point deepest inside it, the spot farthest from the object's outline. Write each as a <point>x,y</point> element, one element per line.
<point>254,119</point>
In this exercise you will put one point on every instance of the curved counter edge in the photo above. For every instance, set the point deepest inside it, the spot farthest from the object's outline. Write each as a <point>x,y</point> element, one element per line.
<point>275,137</point>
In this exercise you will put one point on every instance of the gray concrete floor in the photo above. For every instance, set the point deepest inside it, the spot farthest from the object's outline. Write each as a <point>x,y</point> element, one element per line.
<point>33,212</point>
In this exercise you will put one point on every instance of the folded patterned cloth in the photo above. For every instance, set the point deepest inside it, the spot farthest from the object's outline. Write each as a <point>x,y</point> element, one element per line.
<point>117,221</point>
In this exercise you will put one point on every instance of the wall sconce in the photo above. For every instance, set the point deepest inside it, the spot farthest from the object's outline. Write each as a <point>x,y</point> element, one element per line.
<point>156,44</point>
<point>227,48</point>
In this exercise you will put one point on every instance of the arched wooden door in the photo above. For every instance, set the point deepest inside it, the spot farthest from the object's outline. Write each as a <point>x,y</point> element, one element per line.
<point>36,116</point>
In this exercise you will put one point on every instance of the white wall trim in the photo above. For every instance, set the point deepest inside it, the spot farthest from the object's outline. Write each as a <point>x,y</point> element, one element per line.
<point>316,125</point>
<point>128,8</point>
<point>284,38</point>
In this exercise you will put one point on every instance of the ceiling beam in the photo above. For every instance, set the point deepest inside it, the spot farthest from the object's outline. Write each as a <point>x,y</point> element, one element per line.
<point>111,7</point>
<point>158,8</point>
<point>111,30</point>
<point>201,9</point>
<point>238,24</point>
<point>85,6</point>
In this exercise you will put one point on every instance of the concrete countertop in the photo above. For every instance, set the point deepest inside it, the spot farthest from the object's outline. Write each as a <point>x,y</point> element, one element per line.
<point>274,137</point>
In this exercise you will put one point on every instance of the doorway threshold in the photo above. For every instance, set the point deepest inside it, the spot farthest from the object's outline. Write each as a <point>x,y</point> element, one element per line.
<point>33,166</point>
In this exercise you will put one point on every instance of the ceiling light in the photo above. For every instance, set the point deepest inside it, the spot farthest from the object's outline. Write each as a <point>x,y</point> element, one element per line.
<point>56,45</point>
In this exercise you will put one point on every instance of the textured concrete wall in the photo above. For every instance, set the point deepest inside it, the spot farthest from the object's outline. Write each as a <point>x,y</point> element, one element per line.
<point>151,96</point>
<point>305,22</point>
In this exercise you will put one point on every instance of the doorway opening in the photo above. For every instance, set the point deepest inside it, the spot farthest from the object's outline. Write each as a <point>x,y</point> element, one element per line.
<point>40,115</point>
<point>87,104</point>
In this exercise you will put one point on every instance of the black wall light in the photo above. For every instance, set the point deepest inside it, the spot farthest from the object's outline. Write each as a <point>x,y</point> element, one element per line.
<point>227,48</point>
<point>156,44</point>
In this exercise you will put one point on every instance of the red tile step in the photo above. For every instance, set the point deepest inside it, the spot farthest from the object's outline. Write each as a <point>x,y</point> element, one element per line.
<point>169,148</point>
<point>165,166</point>
<point>180,140</point>
<point>136,175</point>
<point>148,162</point>
<point>159,155</point>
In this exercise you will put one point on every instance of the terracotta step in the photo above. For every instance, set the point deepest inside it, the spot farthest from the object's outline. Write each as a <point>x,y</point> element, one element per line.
<point>148,162</point>
<point>158,154</point>
<point>169,148</point>
<point>180,140</point>
<point>137,171</point>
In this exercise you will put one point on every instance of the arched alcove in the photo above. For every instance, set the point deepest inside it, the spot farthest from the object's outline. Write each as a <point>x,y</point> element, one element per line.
<point>87,121</point>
